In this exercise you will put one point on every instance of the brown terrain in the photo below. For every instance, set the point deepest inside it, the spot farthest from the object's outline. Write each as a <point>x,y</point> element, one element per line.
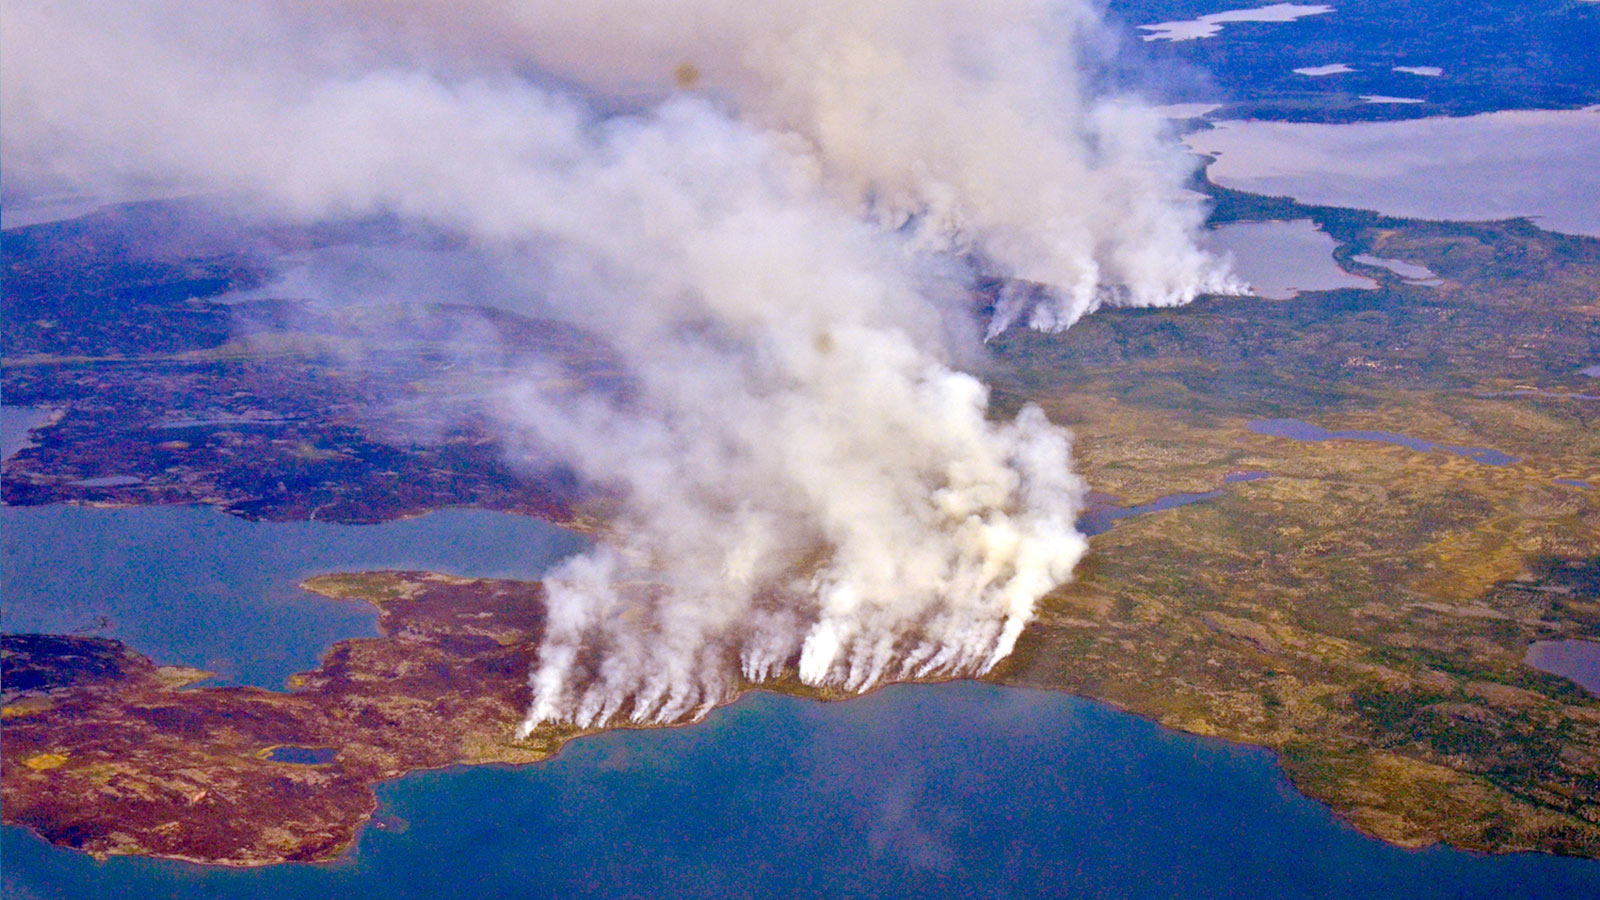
<point>1362,608</point>
<point>107,752</point>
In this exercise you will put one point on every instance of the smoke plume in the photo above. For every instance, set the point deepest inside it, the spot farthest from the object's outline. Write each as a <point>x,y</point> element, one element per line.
<point>773,212</point>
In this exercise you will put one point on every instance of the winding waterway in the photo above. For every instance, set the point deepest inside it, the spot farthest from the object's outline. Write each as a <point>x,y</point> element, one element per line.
<point>1296,430</point>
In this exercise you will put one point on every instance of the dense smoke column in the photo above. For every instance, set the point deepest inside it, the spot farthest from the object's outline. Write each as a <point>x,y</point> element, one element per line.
<point>803,476</point>
<point>912,541</point>
<point>771,211</point>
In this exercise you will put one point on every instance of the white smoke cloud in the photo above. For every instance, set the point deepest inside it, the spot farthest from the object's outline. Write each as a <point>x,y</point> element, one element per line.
<point>771,210</point>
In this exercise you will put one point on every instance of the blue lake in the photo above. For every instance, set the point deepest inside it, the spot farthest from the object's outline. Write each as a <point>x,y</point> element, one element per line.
<point>959,790</point>
<point>194,586</point>
<point>964,789</point>
<point>1294,429</point>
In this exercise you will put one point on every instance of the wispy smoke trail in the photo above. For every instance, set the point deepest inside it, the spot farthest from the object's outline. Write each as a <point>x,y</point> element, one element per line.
<point>771,210</point>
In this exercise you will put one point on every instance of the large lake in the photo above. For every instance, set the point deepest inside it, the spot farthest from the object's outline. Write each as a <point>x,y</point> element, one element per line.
<point>1543,164</point>
<point>193,586</point>
<point>960,790</point>
<point>915,791</point>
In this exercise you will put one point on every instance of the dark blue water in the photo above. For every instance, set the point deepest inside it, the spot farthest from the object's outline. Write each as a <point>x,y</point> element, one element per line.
<point>1573,482</point>
<point>1099,519</point>
<point>956,790</point>
<point>960,790</point>
<point>303,756</point>
<point>1295,429</point>
<point>193,586</point>
<point>1105,512</point>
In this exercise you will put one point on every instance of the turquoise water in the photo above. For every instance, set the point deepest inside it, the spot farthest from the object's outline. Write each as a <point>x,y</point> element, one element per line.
<point>959,790</point>
<point>193,586</point>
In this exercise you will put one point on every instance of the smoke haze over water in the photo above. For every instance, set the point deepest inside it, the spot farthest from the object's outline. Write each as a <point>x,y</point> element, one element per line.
<point>772,212</point>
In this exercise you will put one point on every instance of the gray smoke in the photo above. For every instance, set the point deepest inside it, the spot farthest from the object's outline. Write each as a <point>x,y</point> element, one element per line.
<point>771,210</point>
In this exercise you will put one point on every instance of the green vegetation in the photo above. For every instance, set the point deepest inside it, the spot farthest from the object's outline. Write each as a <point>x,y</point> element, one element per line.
<point>1366,608</point>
